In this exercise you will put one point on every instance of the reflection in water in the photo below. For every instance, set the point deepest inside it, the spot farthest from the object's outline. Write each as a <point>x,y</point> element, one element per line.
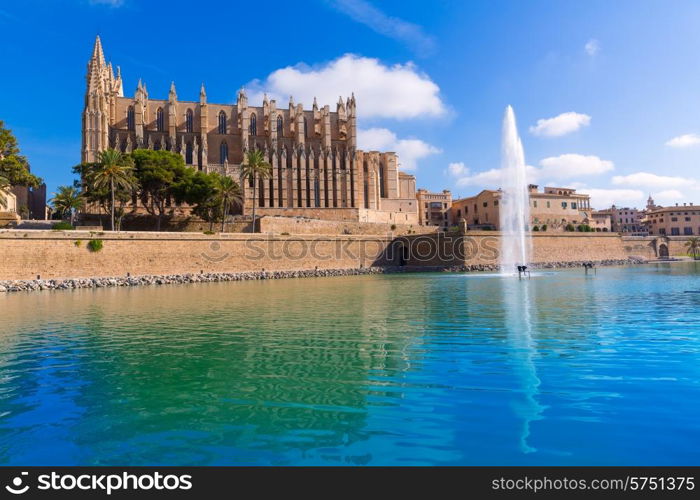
<point>518,323</point>
<point>384,370</point>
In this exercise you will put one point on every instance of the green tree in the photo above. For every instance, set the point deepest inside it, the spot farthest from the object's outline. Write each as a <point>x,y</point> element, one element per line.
<point>66,201</point>
<point>114,173</point>
<point>693,246</point>
<point>13,166</point>
<point>199,191</point>
<point>160,175</point>
<point>254,168</point>
<point>229,193</point>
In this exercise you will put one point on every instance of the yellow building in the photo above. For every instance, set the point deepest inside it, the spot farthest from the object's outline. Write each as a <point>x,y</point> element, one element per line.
<point>554,208</point>
<point>679,220</point>
<point>434,209</point>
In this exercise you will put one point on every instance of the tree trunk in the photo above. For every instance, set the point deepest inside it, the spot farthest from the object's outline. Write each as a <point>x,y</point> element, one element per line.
<point>223,214</point>
<point>252,228</point>
<point>111,185</point>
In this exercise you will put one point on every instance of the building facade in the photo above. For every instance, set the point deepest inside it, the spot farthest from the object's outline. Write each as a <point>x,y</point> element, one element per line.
<point>31,201</point>
<point>434,209</point>
<point>554,208</point>
<point>674,221</point>
<point>317,170</point>
<point>625,219</point>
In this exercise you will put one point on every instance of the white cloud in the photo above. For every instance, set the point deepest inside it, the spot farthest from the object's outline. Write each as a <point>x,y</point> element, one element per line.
<point>111,3</point>
<point>604,198</point>
<point>458,169</point>
<point>684,141</point>
<point>410,151</point>
<point>648,180</point>
<point>392,27</point>
<point>491,179</point>
<point>592,47</point>
<point>562,124</point>
<point>572,165</point>
<point>400,91</point>
<point>668,195</point>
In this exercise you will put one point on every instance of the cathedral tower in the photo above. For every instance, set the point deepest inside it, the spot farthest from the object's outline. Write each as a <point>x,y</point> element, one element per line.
<point>100,97</point>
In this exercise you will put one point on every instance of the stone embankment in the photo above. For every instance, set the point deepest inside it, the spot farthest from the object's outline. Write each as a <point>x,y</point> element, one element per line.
<point>173,279</point>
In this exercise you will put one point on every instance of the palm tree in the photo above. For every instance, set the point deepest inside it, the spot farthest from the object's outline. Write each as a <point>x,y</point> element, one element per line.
<point>693,246</point>
<point>255,168</point>
<point>228,192</point>
<point>112,172</point>
<point>4,185</point>
<point>67,200</point>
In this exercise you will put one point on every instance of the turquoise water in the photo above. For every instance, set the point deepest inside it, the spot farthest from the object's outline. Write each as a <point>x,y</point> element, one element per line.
<point>397,369</point>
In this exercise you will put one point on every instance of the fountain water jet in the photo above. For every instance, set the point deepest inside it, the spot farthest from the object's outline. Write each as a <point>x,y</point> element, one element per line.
<point>515,200</point>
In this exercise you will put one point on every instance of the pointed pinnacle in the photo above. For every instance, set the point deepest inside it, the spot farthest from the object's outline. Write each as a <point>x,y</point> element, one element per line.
<point>97,53</point>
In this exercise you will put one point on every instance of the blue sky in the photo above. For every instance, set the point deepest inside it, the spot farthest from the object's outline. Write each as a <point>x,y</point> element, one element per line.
<point>607,94</point>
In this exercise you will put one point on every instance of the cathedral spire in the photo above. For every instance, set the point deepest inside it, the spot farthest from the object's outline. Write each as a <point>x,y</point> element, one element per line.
<point>202,95</point>
<point>172,95</point>
<point>97,54</point>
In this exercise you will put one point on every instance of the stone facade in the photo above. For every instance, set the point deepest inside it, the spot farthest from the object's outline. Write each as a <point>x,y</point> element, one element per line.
<point>674,221</point>
<point>555,207</point>
<point>624,219</point>
<point>316,166</point>
<point>434,209</point>
<point>301,225</point>
<point>31,201</point>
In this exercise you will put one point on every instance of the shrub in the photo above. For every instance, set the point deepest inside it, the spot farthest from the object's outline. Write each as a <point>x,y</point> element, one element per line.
<point>285,234</point>
<point>570,227</point>
<point>62,226</point>
<point>544,227</point>
<point>95,245</point>
<point>535,228</point>
<point>209,232</point>
<point>393,227</point>
<point>77,243</point>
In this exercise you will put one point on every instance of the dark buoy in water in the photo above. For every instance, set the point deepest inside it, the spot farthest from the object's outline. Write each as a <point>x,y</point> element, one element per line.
<point>589,265</point>
<point>522,271</point>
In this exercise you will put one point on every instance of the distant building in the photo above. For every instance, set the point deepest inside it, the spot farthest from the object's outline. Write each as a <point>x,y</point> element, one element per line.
<point>600,221</point>
<point>434,208</point>
<point>31,201</point>
<point>674,221</point>
<point>555,207</point>
<point>10,203</point>
<point>625,219</point>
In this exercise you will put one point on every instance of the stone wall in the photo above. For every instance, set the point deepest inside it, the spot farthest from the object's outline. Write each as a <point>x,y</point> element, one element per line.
<point>65,254</point>
<point>300,225</point>
<point>482,249</point>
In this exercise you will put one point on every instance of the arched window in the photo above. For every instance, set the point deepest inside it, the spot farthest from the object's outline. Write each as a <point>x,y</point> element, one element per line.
<point>222,122</point>
<point>223,152</point>
<point>188,153</point>
<point>189,121</point>
<point>306,128</point>
<point>382,192</point>
<point>130,122</point>
<point>280,127</point>
<point>253,125</point>
<point>159,120</point>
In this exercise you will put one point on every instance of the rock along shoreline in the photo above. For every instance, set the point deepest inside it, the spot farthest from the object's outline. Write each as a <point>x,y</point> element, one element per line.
<point>177,279</point>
